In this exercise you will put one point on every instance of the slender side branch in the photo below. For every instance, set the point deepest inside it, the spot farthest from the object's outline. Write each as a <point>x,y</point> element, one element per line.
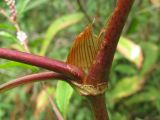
<point>83,10</point>
<point>100,68</point>
<point>85,13</point>
<point>32,78</point>
<point>53,105</point>
<point>43,62</point>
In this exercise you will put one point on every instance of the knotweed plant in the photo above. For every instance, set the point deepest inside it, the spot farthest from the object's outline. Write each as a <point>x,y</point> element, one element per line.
<point>88,63</point>
<point>21,35</point>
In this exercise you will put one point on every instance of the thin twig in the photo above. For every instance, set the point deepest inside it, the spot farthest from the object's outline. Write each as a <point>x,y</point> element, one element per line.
<point>148,9</point>
<point>54,107</point>
<point>12,9</point>
<point>2,11</point>
<point>84,11</point>
<point>86,14</point>
<point>43,76</point>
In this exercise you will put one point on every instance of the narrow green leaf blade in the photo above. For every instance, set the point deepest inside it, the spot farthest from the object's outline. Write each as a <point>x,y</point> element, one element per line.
<point>63,95</point>
<point>130,51</point>
<point>151,56</point>
<point>8,36</point>
<point>58,25</point>
<point>125,87</point>
<point>34,4</point>
<point>21,6</point>
<point>12,64</point>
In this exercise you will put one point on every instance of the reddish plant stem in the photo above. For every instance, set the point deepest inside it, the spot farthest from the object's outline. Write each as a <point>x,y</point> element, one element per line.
<point>32,78</point>
<point>54,65</point>
<point>98,105</point>
<point>99,71</point>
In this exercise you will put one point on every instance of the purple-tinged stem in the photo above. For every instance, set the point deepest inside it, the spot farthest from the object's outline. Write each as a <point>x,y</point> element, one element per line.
<point>99,71</point>
<point>54,65</point>
<point>32,78</point>
<point>98,105</point>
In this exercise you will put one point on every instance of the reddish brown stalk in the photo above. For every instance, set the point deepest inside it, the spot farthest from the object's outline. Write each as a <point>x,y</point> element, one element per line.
<point>98,107</point>
<point>32,78</point>
<point>43,62</point>
<point>99,71</point>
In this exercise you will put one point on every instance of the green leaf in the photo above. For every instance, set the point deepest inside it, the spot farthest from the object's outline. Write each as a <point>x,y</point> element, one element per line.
<point>63,95</point>
<point>26,5</point>
<point>58,25</point>
<point>125,87</point>
<point>21,6</point>
<point>151,55</point>
<point>125,69</point>
<point>131,51</point>
<point>17,64</point>
<point>150,94</point>
<point>7,26</point>
<point>34,4</point>
<point>8,36</point>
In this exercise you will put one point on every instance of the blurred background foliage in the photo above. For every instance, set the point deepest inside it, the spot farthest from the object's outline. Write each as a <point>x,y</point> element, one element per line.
<point>51,26</point>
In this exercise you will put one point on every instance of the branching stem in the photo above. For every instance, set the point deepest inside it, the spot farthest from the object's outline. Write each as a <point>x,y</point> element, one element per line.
<point>32,78</point>
<point>99,71</point>
<point>43,62</point>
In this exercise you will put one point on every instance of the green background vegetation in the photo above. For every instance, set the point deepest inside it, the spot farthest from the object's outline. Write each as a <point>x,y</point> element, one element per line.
<point>51,26</point>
